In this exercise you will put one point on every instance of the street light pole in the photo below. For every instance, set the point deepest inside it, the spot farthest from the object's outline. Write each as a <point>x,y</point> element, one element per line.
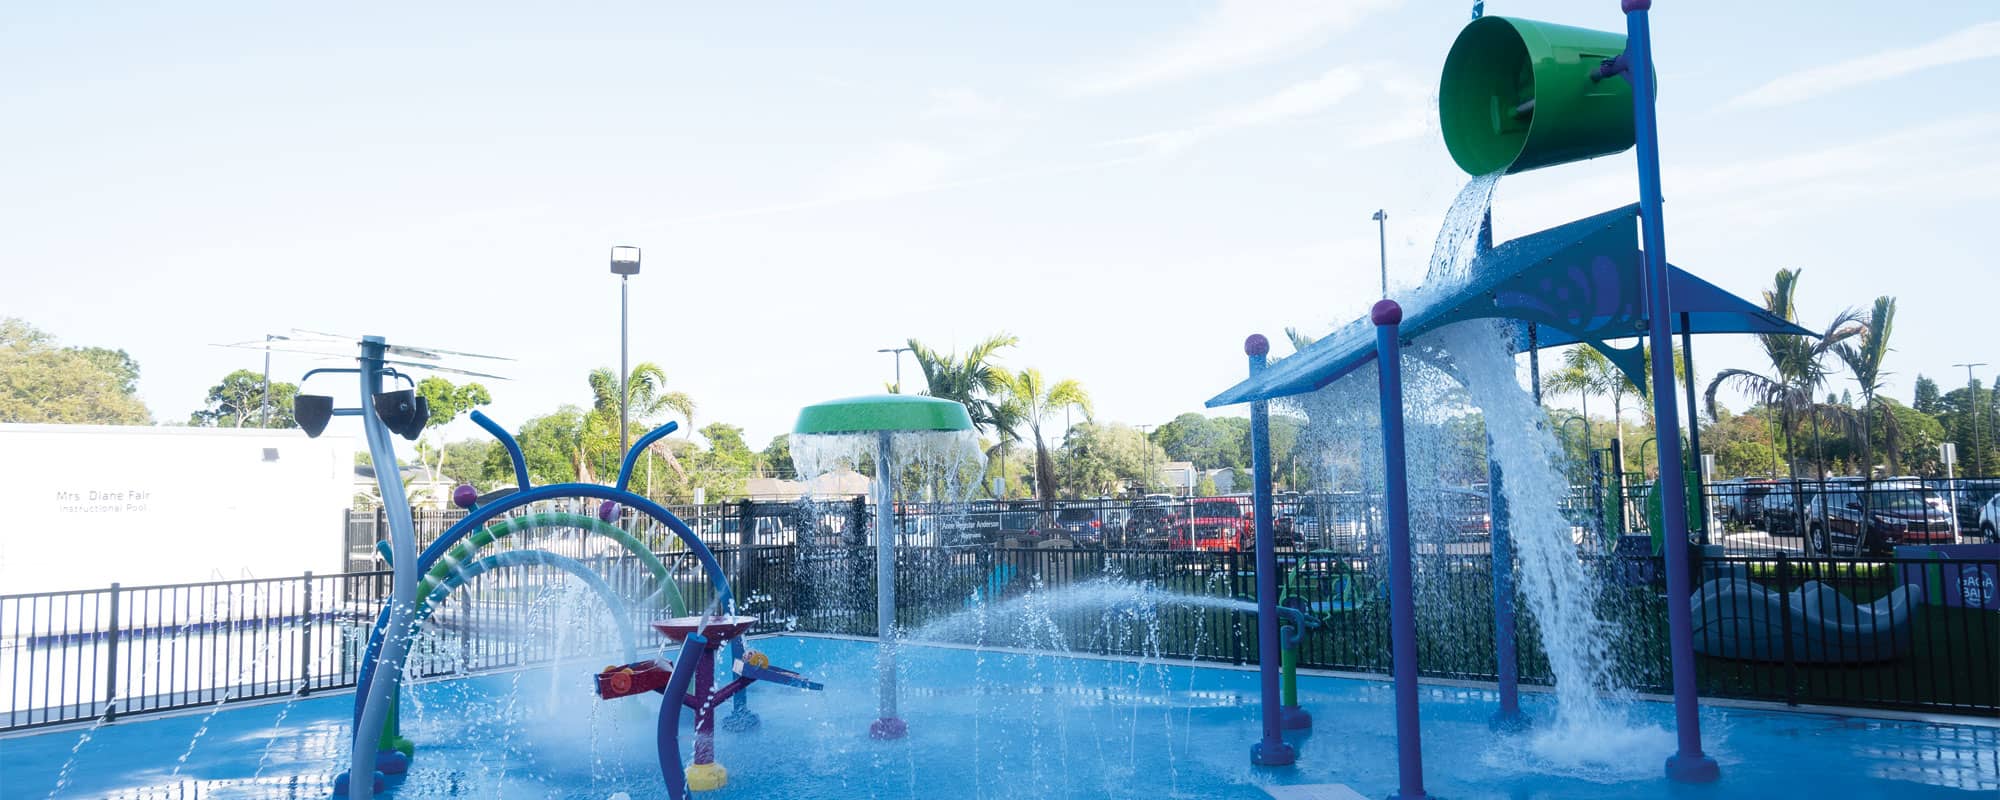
<point>1972,403</point>
<point>624,264</point>
<point>898,351</point>
<point>264,415</point>
<point>1382,235</point>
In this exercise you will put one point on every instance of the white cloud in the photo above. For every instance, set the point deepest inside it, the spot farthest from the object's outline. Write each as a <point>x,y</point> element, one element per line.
<point>1235,33</point>
<point>1408,112</point>
<point>1935,163</point>
<point>893,168</point>
<point>1971,44</point>
<point>959,103</point>
<point>1301,99</point>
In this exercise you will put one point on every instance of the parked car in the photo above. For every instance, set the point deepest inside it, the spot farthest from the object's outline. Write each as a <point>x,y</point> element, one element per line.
<point>1989,519</point>
<point>1741,502</point>
<point>1082,524</point>
<point>1972,496</point>
<point>1937,508</point>
<point>1852,520</point>
<point>1150,526</point>
<point>1214,523</point>
<point>1784,510</point>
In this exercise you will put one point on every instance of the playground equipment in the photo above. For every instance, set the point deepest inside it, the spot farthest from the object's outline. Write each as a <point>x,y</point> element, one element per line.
<point>691,681</point>
<point>881,418</point>
<point>1517,95</point>
<point>1815,624</point>
<point>449,563</point>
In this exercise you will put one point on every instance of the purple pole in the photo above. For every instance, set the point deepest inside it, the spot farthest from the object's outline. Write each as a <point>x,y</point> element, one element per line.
<point>1388,318</point>
<point>1500,541</point>
<point>1688,764</point>
<point>1271,751</point>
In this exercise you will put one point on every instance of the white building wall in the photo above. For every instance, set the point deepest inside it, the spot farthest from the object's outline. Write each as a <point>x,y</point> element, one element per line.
<point>82,506</point>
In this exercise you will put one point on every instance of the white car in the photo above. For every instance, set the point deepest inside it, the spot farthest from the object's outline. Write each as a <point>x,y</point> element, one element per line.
<point>1989,519</point>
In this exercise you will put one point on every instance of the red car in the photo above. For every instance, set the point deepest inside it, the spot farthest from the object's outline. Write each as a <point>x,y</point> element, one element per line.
<point>1215,523</point>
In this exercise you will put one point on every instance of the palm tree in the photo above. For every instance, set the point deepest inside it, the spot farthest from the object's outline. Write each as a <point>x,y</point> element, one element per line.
<point>1579,381</point>
<point>646,394</point>
<point>1008,414</point>
<point>1300,341</point>
<point>646,398</point>
<point>1586,371</point>
<point>1797,363</point>
<point>973,379</point>
<point>1037,399</point>
<point>1864,356</point>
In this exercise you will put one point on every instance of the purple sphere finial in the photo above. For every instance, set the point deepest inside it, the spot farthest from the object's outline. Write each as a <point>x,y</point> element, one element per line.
<point>1256,345</point>
<point>1386,312</point>
<point>1636,5</point>
<point>464,496</point>
<point>608,511</point>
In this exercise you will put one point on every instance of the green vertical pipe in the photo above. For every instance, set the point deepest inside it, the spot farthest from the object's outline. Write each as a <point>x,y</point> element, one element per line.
<point>1288,670</point>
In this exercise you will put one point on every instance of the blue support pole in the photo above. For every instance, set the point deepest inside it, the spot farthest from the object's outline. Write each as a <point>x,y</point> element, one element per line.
<point>1688,764</point>
<point>1506,659</point>
<point>1388,318</point>
<point>1271,751</point>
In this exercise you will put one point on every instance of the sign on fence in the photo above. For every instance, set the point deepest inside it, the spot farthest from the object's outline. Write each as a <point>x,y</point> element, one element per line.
<point>1955,585</point>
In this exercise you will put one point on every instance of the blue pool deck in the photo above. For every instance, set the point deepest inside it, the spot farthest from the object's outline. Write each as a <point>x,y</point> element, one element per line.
<point>994,724</point>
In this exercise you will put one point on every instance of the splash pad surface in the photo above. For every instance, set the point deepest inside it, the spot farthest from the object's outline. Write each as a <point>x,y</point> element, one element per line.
<point>985,724</point>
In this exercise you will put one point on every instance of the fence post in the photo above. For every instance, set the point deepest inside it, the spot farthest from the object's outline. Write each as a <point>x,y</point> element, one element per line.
<point>111,660</point>
<point>1785,628</point>
<point>306,659</point>
<point>746,550</point>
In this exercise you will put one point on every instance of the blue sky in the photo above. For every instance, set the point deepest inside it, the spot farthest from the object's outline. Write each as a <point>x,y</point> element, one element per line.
<point>1130,188</point>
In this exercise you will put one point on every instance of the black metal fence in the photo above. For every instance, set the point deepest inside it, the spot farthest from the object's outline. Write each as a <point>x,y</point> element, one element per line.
<point>1891,632</point>
<point>1834,518</point>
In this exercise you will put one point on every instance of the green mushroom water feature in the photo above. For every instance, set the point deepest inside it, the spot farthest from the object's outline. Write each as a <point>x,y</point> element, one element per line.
<point>898,432</point>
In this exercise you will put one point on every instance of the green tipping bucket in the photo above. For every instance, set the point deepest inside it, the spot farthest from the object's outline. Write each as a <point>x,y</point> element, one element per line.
<point>883,412</point>
<point>1517,95</point>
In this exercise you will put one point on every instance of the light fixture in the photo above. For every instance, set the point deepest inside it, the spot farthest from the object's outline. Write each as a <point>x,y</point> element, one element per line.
<point>624,260</point>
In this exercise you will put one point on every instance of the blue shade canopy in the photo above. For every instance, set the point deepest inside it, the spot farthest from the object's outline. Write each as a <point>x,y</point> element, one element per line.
<point>1582,281</point>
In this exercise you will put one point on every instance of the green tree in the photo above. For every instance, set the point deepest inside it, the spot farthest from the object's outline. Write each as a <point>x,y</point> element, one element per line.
<point>239,401</point>
<point>468,461</point>
<point>1104,460</point>
<point>1976,439</point>
<point>1585,372</point>
<point>647,398</point>
<point>552,444</point>
<point>42,382</point>
<point>776,458</point>
<point>1864,355</point>
<point>446,401</point>
<point>1921,434</point>
<point>1798,366</point>
<point>1927,399</point>
<point>1205,486</point>
<point>1208,442</point>
<point>1742,443</point>
<point>724,468</point>
<point>1038,399</point>
<point>974,379</point>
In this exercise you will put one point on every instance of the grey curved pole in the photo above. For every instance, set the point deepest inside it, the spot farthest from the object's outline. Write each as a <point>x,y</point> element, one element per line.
<point>402,598</point>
